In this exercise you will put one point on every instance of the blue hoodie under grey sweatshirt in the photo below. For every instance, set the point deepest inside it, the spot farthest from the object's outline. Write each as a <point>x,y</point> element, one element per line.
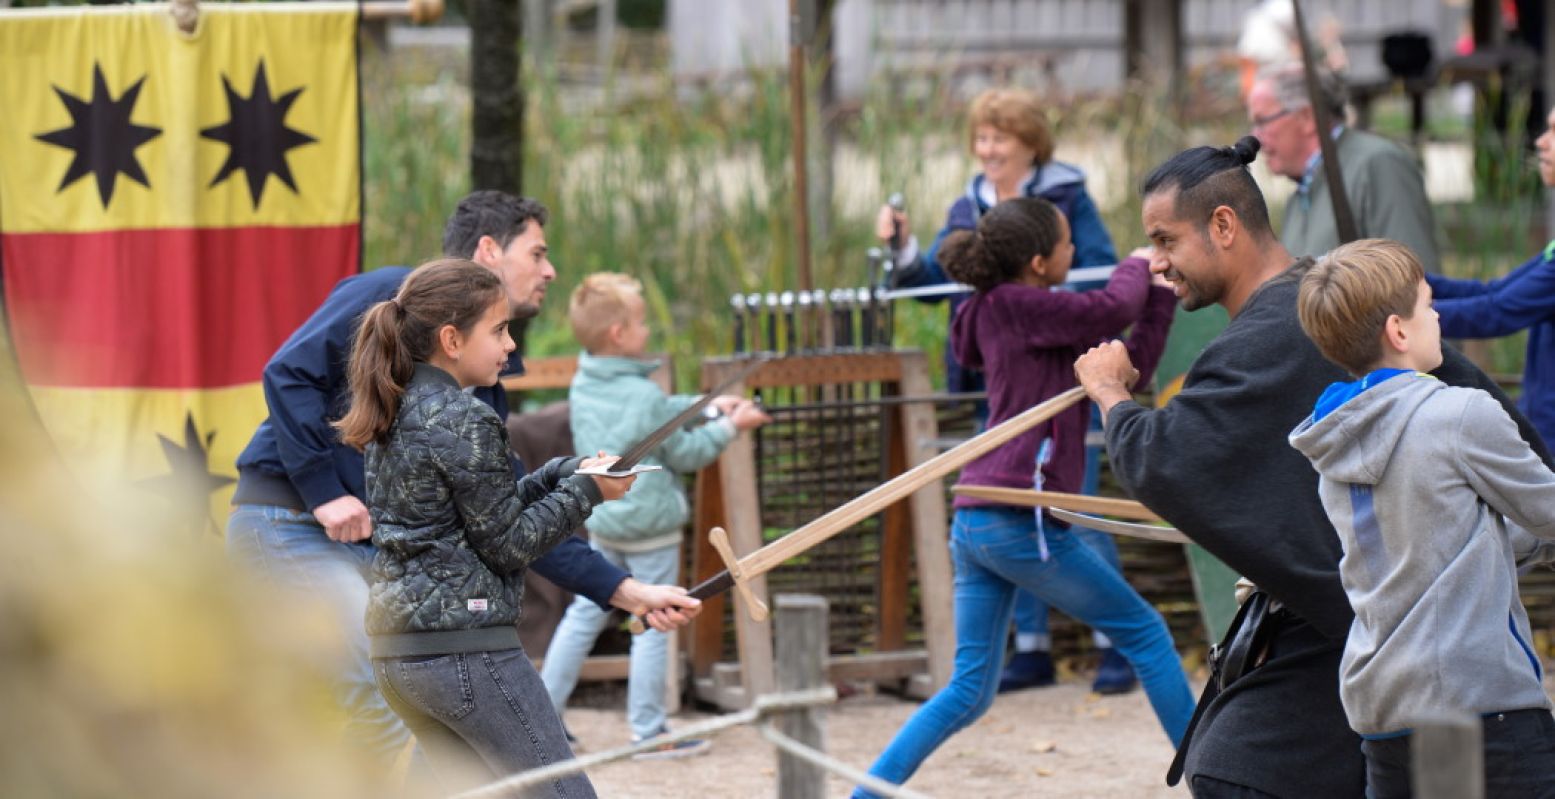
<point>1436,499</point>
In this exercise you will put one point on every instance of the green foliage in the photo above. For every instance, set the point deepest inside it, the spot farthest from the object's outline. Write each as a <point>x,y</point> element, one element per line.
<point>692,195</point>
<point>690,191</point>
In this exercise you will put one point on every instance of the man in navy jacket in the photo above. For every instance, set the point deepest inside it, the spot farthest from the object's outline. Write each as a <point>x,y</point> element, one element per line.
<point>299,518</point>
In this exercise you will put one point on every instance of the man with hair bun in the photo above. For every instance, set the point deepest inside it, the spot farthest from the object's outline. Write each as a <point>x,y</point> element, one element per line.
<point>1216,464</point>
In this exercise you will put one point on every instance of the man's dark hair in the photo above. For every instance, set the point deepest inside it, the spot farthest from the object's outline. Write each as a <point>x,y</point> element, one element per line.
<point>497,214</point>
<point>1208,177</point>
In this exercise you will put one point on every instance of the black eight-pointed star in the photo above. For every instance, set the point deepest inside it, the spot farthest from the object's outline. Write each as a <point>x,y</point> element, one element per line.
<point>102,136</point>
<point>257,135</point>
<point>190,483</point>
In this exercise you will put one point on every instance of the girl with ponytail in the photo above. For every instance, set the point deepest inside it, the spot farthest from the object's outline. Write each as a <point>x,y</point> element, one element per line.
<point>1024,336</point>
<point>453,530</point>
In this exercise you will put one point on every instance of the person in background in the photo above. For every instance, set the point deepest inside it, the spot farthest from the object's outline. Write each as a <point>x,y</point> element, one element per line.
<point>1026,337</point>
<point>613,404</point>
<point>1523,299</point>
<point>1382,181</point>
<point>1009,136</point>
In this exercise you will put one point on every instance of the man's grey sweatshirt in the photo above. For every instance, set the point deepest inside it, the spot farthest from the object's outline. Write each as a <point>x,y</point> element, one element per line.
<point>1436,499</point>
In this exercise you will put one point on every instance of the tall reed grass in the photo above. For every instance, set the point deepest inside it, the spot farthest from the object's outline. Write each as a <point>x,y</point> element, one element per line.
<point>690,190</point>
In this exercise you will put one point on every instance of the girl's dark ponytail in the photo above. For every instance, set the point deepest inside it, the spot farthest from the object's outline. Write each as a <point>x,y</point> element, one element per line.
<point>379,371</point>
<point>964,256</point>
<point>395,334</point>
<point>1007,238</point>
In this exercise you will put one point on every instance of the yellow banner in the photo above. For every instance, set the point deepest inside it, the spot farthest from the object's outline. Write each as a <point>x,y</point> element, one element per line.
<point>185,453</point>
<point>249,121</point>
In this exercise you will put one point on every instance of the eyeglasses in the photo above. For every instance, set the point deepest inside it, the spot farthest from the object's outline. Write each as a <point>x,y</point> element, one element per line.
<point>1269,119</point>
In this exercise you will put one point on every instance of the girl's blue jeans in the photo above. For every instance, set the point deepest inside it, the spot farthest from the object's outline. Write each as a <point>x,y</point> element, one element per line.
<point>995,552</point>
<point>1030,612</point>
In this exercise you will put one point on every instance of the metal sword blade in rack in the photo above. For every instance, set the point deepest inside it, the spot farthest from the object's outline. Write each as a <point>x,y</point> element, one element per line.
<point>811,322</point>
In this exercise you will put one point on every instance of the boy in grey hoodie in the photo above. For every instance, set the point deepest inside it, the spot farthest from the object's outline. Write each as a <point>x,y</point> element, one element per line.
<point>613,404</point>
<point>1436,499</point>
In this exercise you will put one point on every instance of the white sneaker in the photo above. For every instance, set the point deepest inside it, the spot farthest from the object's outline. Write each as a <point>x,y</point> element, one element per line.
<point>670,750</point>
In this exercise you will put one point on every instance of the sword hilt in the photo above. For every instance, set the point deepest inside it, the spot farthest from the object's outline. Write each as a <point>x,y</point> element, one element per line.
<point>754,606</point>
<point>730,577</point>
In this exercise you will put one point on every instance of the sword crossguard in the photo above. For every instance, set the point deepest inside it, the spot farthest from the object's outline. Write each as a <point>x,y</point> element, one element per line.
<point>720,541</point>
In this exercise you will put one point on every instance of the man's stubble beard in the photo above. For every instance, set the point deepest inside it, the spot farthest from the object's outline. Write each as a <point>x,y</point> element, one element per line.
<point>523,313</point>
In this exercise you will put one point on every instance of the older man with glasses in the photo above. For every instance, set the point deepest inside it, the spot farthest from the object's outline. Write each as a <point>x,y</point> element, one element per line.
<point>1382,180</point>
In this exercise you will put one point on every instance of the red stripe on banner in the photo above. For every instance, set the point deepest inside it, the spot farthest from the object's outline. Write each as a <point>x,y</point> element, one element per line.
<point>169,308</point>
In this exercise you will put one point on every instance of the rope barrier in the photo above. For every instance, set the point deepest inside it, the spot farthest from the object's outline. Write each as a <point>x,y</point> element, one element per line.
<point>872,783</point>
<point>764,705</point>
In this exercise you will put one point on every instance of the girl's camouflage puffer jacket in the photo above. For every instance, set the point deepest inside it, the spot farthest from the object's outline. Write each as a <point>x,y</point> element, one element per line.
<point>453,529</point>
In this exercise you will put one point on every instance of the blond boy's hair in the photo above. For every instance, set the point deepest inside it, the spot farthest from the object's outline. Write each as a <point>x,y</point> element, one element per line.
<point>1014,111</point>
<point>1346,298</point>
<point>602,300</point>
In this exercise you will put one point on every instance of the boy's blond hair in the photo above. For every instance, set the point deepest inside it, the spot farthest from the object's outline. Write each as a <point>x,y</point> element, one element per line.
<point>1346,298</point>
<point>601,301</point>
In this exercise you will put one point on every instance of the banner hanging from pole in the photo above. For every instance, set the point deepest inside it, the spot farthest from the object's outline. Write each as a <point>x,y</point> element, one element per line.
<point>172,206</point>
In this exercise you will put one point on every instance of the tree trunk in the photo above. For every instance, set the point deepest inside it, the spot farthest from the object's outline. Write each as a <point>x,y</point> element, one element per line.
<point>497,144</point>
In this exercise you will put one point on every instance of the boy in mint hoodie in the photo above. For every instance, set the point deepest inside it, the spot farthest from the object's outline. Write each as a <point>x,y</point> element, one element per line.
<point>613,405</point>
<point>1436,499</point>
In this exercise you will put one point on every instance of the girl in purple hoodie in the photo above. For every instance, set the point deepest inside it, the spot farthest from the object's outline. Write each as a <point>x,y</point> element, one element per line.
<point>1025,338</point>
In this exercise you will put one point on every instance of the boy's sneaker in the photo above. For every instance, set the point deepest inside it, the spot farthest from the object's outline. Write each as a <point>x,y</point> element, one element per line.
<point>670,750</point>
<point>1027,670</point>
<point>1114,675</point>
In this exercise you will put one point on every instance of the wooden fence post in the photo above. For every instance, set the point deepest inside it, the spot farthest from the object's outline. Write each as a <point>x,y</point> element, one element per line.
<point>802,647</point>
<point>1447,758</point>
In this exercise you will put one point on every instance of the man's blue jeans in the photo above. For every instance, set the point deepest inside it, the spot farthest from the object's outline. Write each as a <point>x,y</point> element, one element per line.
<point>290,549</point>
<point>480,716</point>
<point>583,623</point>
<point>995,551</point>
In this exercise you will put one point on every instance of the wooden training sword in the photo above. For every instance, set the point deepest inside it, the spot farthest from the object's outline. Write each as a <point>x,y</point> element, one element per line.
<point>1344,217</point>
<point>1080,503</point>
<point>740,570</point>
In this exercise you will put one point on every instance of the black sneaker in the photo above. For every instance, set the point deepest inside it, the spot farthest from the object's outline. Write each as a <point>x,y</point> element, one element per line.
<point>1027,670</point>
<point>1114,675</point>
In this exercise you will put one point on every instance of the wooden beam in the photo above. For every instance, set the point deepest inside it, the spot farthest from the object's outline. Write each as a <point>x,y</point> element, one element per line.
<point>742,520</point>
<point>895,564</point>
<point>803,640</point>
<point>1153,42</point>
<point>801,22</point>
<point>805,370</point>
<point>556,372</point>
<point>930,534</point>
<point>706,639</point>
